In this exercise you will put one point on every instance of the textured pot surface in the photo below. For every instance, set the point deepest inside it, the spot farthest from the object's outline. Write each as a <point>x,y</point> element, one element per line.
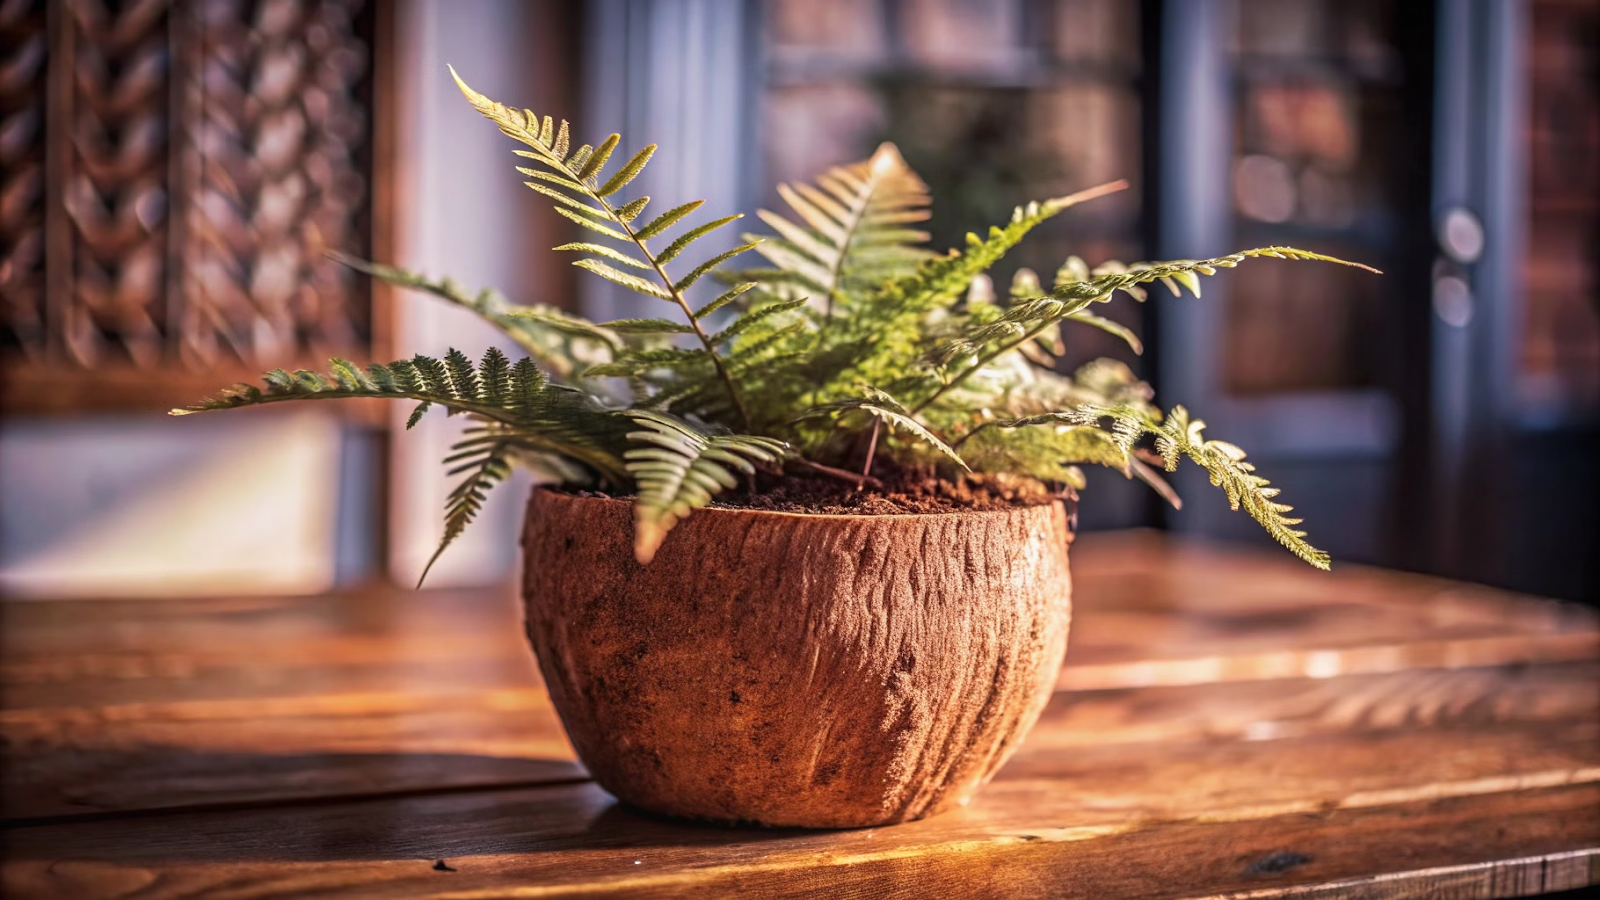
<point>807,670</point>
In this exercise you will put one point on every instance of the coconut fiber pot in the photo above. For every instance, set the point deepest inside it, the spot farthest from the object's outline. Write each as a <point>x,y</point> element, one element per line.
<point>821,671</point>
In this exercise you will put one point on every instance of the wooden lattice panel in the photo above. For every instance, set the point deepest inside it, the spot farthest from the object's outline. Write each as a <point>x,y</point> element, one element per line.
<point>22,175</point>
<point>174,172</point>
<point>275,135</point>
<point>114,187</point>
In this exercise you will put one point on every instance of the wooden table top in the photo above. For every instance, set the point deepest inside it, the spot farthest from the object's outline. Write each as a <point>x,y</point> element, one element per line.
<point>1228,723</point>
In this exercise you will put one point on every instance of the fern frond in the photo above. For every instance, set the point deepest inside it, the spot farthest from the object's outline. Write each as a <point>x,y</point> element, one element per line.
<point>487,466</point>
<point>545,417</point>
<point>890,324</point>
<point>679,468</point>
<point>1048,447</point>
<point>584,167</point>
<point>881,405</point>
<point>1103,283</point>
<point>942,279</point>
<point>1178,436</point>
<point>849,241</point>
<point>562,343</point>
<point>1027,318</point>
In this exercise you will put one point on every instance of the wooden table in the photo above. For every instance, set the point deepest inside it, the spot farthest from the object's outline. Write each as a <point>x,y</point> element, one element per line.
<point>1228,724</point>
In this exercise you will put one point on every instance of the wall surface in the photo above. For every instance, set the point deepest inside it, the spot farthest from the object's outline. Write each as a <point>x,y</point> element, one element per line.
<point>240,503</point>
<point>465,214</point>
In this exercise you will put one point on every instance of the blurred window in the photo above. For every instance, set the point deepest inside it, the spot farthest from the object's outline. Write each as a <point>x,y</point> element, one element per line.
<point>1560,340</point>
<point>1318,120</point>
<point>993,102</point>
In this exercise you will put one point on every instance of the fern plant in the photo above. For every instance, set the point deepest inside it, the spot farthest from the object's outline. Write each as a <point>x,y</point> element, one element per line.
<point>849,351</point>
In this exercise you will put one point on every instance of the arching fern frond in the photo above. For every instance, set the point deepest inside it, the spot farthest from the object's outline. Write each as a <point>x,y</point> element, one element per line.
<point>942,279</point>
<point>487,461</point>
<point>486,454</point>
<point>854,232</point>
<point>1076,443</point>
<point>561,343</point>
<point>957,359</point>
<point>1051,446</point>
<point>546,417</point>
<point>887,328</point>
<point>1113,277</point>
<point>679,468</point>
<point>1178,436</point>
<point>573,181</point>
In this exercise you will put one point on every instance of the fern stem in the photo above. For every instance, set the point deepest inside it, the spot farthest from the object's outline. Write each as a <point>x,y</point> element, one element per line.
<point>872,449</point>
<point>608,468</point>
<point>856,215</point>
<point>982,361</point>
<point>688,311</point>
<point>666,282</point>
<point>841,474</point>
<point>956,444</point>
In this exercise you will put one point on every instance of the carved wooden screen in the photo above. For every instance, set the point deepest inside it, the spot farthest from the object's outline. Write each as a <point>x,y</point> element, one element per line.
<point>173,172</point>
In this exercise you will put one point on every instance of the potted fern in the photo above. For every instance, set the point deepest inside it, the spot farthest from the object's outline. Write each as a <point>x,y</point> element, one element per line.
<point>802,554</point>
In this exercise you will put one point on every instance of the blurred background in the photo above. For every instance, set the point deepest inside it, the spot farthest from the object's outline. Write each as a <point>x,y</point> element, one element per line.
<point>174,169</point>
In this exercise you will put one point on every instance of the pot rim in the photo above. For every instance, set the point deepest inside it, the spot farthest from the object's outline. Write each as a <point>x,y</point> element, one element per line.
<point>1057,502</point>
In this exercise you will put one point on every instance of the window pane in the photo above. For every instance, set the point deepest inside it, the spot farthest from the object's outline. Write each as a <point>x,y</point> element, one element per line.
<point>960,33</point>
<point>987,102</point>
<point>1318,133</point>
<point>1096,31</point>
<point>810,127</point>
<point>1560,353</point>
<point>837,28</point>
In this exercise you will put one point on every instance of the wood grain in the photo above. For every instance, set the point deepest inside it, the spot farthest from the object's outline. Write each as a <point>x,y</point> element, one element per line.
<point>1160,612</point>
<point>339,746</point>
<point>293,697</point>
<point>573,841</point>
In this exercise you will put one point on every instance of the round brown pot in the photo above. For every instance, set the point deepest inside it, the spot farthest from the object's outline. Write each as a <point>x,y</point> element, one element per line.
<point>820,671</point>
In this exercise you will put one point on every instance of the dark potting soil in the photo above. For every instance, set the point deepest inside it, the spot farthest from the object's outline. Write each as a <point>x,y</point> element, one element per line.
<point>896,493</point>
